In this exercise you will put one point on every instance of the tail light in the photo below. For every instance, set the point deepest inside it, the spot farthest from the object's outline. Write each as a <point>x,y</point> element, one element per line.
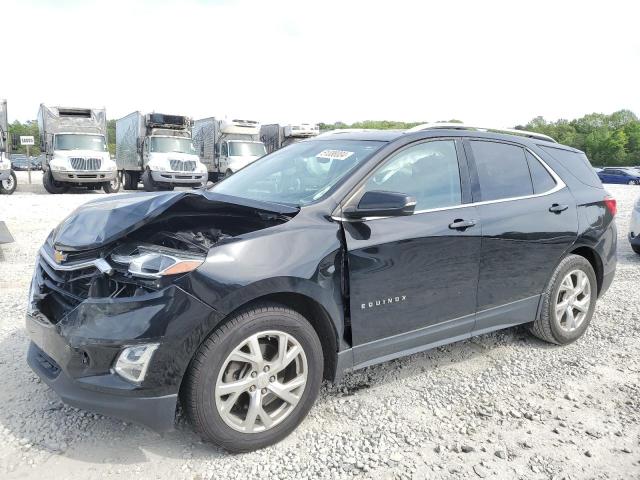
<point>611,205</point>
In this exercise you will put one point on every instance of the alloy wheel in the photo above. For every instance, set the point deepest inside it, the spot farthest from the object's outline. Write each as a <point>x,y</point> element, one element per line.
<point>573,300</point>
<point>261,381</point>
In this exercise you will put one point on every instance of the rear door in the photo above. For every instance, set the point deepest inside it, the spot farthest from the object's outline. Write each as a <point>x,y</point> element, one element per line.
<point>529,220</point>
<point>413,279</point>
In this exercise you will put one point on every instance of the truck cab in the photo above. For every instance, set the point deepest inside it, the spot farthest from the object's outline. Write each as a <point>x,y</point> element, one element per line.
<point>7,176</point>
<point>75,145</point>
<point>234,155</point>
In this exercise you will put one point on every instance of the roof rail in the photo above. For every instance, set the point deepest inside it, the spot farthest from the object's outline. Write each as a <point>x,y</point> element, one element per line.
<point>343,130</point>
<point>462,126</point>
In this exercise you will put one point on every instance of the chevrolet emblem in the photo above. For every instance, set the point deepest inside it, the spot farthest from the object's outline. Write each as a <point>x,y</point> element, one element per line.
<point>59,257</point>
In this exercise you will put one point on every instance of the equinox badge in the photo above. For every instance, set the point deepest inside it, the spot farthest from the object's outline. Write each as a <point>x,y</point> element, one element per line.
<point>384,301</point>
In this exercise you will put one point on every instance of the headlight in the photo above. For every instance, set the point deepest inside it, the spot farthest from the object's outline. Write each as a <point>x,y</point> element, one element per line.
<point>202,168</point>
<point>58,165</point>
<point>133,362</point>
<point>151,263</point>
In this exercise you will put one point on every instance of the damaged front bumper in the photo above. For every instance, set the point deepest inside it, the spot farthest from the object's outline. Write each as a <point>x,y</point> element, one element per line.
<point>75,353</point>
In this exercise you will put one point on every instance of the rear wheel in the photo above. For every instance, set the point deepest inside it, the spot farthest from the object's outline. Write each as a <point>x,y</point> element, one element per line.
<point>130,180</point>
<point>568,302</point>
<point>254,379</point>
<point>9,185</point>
<point>113,186</point>
<point>51,186</point>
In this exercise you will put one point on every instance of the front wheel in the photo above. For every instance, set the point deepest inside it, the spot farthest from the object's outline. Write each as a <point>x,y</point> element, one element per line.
<point>568,302</point>
<point>9,185</point>
<point>148,183</point>
<point>254,379</point>
<point>51,186</point>
<point>632,182</point>
<point>113,186</point>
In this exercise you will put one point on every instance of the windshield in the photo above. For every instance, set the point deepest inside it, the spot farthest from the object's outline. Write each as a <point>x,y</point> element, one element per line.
<point>246,149</point>
<point>298,174</point>
<point>171,144</point>
<point>95,143</point>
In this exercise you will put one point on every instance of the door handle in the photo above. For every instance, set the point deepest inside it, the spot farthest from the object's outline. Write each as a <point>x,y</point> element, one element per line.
<point>556,208</point>
<point>459,224</point>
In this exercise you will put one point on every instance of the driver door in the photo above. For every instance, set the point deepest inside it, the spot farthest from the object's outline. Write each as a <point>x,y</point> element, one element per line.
<point>413,279</point>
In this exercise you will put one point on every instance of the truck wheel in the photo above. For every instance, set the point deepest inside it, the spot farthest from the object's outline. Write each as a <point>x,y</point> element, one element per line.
<point>254,379</point>
<point>9,185</point>
<point>148,183</point>
<point>130,180</point>
<point>113,186</point>
<point>227,174</point>
<point>51,186</point>
<point>568,302</point>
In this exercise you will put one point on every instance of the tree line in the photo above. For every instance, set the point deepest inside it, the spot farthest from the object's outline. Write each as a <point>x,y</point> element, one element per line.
<point>606,139</point>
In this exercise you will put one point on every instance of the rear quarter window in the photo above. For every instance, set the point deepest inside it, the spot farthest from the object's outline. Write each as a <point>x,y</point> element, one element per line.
<point>576,163</point>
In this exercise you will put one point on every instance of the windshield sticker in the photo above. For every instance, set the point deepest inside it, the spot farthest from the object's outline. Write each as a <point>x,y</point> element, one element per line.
<point>334,154</point>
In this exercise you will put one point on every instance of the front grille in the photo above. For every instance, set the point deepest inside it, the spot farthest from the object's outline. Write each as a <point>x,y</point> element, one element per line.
<point>59,291</point>
<point>83,163</point>
<point>182,165</point>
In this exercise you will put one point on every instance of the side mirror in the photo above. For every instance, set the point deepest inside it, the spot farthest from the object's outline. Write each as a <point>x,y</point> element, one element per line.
<point>381,204</point>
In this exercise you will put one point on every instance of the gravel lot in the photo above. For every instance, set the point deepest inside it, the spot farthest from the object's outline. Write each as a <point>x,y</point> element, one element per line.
<point>503,405</point>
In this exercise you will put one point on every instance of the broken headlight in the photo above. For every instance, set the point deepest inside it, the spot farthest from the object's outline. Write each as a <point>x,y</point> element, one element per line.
<point>155,262</point>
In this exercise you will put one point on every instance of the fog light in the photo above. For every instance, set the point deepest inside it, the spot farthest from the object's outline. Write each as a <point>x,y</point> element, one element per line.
<point>133,362</point>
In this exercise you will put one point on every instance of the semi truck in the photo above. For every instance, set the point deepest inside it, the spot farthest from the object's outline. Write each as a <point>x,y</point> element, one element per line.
<point>276,136</point>
<point>7,176</point>
<point>156,148</point>
<point>74,143</point>
<point>226,146</point>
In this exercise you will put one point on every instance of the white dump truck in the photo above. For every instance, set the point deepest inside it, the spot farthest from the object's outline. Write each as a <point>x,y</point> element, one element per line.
<point>226,146</point>
<point>74,143</point>
<point>7,176</point>
<point>156,149</point>
<point>275,136</point>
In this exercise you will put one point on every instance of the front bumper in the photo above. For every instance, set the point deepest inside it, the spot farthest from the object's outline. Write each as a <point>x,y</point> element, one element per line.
<point>179,178</point>
<point>5,174</point>
<point>157,413</point>
<point>76,354</point>
<point>83,176</point>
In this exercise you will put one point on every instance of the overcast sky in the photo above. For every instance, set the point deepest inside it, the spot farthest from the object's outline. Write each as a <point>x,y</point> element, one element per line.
<point>485,62</point>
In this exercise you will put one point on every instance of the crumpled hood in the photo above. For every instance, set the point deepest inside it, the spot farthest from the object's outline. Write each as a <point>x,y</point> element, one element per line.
<point>100,222</point>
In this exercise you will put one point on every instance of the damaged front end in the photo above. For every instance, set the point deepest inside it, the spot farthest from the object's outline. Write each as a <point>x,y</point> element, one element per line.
<point>112,331</point>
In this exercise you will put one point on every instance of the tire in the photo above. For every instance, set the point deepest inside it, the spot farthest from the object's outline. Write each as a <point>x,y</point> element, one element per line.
<point>7,187</point>
<point>227,174</point>
<point>211,363</point>
<point>148,183</point>
<point>113,186</point>
<point>51,186</point>
<point>636,249</point>
<point>552,327</point>
<point>130,180</point>
<point>632,182</point>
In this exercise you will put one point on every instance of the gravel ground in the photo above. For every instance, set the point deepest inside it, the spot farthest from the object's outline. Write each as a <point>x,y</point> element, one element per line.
<point>503,405</point>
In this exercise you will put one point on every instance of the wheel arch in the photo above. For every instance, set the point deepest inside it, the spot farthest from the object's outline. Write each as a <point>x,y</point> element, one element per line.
<point>317,316</point>
<point>592,256</point>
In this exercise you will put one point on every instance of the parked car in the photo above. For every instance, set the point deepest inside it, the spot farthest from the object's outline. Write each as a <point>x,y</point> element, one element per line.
<point>634,227</point>
<point>619,175</point>
<point>327,255</point>
<point>21,162</point>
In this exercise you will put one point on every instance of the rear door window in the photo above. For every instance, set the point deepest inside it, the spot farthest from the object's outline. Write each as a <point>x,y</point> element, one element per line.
<point>502,168</point>
<point>540,176</point>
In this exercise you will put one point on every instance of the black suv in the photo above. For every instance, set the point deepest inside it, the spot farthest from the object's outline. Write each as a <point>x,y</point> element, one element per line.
<point>331,254</point>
